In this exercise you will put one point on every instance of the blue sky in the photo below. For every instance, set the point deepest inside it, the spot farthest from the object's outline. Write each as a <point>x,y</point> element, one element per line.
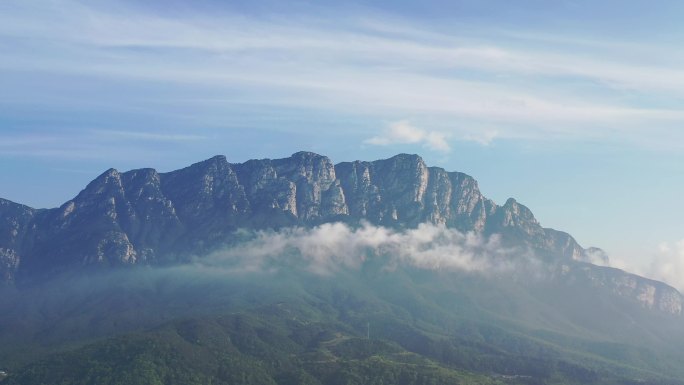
<point>575,108</point>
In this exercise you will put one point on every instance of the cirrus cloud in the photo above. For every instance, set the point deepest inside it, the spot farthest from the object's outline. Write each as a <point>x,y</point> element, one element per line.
<point>555,87</point>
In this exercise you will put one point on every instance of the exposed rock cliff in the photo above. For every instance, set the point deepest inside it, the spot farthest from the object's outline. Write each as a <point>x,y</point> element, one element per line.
<point>142,216</point>
<point>16,233</point>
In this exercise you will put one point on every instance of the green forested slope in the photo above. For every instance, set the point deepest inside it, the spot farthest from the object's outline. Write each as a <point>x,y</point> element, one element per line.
<point>202,327</point>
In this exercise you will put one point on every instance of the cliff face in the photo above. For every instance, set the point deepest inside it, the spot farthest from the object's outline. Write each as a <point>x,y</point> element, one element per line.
<point>403,191</point>
<point>16,230</point>
<point>143,216</point>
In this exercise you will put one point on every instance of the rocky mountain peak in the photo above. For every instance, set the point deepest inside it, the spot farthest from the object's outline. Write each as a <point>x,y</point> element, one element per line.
<point>312,167</point>
<point>405,158</point>
<point>517,215</point>
<point>142,216</point>
<point>103,183</point>
<point>215,161</point>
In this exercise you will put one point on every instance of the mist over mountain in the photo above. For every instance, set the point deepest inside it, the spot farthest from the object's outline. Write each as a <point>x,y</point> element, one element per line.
<point>257,256</point>
<point>142,217</point>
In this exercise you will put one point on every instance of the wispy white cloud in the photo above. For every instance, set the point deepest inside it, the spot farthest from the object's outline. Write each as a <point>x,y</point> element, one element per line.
<point>403,132</point>
<point>364,66</point>
<point>483,136</point>
<point>91,143</point>
<point>330,247</point>
<point>151,136</point>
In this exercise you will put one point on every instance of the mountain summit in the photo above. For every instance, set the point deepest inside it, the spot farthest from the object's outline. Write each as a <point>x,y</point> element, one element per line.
<point>143,217</point>
<point>299,271</point>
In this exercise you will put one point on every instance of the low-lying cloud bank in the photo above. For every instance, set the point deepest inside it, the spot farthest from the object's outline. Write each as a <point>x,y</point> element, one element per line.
<point>667,265</point>
<point>330,247</point>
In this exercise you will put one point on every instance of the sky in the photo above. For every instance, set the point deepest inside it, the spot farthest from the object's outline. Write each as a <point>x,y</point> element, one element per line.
<point>575,108</point>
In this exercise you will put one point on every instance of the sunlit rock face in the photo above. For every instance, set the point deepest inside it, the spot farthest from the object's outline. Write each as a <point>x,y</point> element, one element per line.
<point>145,217</point>
<point>402,191</point>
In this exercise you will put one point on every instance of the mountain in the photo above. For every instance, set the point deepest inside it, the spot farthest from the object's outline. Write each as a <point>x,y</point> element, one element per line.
<point>299,271</point>
<point>143,217</point>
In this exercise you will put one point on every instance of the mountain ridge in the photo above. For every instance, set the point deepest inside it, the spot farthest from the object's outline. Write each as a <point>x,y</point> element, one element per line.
<point>142,216</point>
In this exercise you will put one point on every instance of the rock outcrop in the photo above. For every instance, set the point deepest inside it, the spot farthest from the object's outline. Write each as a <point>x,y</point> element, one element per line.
<point>145,217</point>
<point>17,231</point>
